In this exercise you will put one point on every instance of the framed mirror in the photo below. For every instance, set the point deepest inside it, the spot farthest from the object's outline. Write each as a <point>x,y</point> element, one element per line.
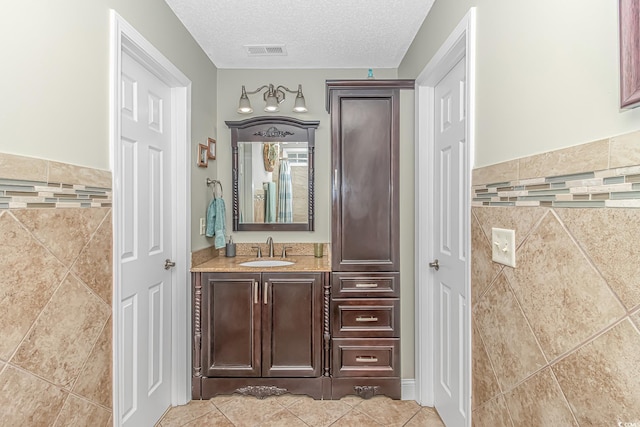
<point>272,173</point>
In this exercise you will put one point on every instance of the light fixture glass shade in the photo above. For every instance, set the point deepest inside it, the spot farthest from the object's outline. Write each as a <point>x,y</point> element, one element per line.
<point>244,106</point>
<point>300,106</point>
<point>271,105</point>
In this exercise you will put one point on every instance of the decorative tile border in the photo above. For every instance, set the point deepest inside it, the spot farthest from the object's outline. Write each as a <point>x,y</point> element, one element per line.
<point>603,173</point>
<point>27,182</point>
<point>619,187</point>
<point>20,194</point>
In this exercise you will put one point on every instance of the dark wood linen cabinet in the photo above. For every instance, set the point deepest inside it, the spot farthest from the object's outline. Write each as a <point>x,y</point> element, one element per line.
<point>260,334</point>
<point>365,236</point>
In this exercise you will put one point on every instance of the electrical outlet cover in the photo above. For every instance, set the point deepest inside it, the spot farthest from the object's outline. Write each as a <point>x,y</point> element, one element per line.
<point>503,246</point>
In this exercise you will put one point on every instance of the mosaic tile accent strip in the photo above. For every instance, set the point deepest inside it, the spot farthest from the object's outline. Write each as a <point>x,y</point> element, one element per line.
<point>21,194</point>
<point>619,187</point>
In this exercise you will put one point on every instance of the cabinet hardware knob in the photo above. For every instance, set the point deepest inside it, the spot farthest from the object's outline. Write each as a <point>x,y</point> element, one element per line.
<point>366,319</point>
<point>366,359</point>
<point>366,285</point>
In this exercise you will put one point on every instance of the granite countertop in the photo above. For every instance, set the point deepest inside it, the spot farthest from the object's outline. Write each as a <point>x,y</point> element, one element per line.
<point>302,263</point>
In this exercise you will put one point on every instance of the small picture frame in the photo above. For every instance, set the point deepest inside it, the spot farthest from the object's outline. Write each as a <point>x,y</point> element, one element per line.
<point>212,148</point>
<point>629,21</point>
<point>203,156</point>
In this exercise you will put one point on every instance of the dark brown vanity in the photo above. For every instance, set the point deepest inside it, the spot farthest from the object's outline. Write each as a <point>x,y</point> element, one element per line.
<point>322,327</point>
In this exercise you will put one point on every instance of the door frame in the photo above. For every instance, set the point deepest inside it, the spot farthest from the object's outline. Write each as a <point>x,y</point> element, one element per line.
<point>125,38</point>
<point>459,44</point>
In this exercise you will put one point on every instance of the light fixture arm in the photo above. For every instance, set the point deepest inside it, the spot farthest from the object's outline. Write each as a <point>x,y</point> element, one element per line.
<point>272,97</point>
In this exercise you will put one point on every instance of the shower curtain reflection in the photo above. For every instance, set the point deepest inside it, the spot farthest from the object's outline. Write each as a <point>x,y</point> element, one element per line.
<point>285,193</point>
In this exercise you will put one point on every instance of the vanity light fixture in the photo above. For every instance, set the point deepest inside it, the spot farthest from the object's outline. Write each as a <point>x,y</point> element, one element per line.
<point>273,96</point>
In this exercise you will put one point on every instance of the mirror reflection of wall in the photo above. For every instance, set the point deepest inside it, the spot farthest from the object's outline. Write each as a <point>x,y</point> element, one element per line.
<point>273,182</point>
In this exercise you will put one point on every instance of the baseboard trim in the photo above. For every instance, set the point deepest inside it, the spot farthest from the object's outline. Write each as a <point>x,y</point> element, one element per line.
<point>408,389</point>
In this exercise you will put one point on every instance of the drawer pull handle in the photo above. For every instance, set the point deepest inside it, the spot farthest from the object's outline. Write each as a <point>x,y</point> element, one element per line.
<point>255,292</point>
<point>266,291</point>
<point>366,285</point>
<point>366,359</point>
<point>366,319</point>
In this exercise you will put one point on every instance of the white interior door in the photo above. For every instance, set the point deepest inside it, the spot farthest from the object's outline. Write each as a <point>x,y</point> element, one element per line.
<point>144,390</point>
<point>450,248</point>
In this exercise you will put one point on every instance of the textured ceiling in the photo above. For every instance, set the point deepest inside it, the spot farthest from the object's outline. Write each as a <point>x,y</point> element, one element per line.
<point>316,34</point>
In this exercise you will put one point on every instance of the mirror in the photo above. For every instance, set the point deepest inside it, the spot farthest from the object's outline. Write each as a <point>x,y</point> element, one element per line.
<point>272,173</point>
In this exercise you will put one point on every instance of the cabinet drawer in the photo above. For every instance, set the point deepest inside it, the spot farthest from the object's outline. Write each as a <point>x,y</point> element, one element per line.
<point>363,318</point>
<point>378,285</point>
<point>366,357</point>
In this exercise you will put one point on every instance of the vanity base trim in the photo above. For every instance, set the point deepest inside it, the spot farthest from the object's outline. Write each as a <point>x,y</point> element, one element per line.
<point>211,387</point>
<point>366,387</point>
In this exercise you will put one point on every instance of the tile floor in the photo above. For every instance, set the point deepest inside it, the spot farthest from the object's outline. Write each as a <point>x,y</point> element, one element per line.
<point>293,411</point>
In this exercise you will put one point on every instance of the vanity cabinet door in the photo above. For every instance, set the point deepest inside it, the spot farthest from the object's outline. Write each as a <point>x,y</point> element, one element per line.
<point>292,324</point>
<point>231,324</point>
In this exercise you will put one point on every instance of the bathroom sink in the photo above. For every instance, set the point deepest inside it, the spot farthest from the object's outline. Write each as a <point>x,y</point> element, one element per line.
<point>266,263</point>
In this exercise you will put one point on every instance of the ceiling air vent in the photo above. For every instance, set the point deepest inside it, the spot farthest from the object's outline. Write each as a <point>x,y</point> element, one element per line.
<point>265,49</point>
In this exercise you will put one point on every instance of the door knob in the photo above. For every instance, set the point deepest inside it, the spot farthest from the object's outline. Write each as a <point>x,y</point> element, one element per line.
<point>168,264</point>
<point>435,265</point>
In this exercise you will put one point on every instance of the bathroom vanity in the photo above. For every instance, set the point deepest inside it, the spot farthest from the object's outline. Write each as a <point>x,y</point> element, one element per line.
<point>261,331</point>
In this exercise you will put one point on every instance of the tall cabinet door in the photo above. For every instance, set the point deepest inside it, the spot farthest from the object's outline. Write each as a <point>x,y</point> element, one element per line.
<point>231,321</point>
<point>365,161</point>
<point>292,325</point>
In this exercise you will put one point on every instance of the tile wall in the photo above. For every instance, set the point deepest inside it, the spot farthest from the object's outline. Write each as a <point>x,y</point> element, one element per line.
<point>55,294</point>
<point>556,340</point>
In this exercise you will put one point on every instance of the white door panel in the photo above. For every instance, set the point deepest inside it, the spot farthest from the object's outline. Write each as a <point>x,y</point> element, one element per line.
<point>450,228</point>
<point>146,218</point>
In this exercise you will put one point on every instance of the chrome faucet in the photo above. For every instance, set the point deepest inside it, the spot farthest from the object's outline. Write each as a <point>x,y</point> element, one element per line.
<point>270,243</point>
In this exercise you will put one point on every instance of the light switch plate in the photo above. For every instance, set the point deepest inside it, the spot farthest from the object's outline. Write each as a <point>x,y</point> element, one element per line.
<point>203,226</point>
<point>503,246</point>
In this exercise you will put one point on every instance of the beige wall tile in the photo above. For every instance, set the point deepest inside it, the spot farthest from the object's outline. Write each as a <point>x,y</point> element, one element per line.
<point>581,158</point>
<point>94,264</point>
<point>625,150</point>
<point>563,296</point>
<point>485,384</point>
<point>78,412</point>
<point>30,276</point>
<point>62,337</point>
<point>94,382</point>
<point>636,318</point>
<point>63,231</point>
<point>500,172</point>
<point>539,402</point>
<point>27,400</point>
<point>23,168</point>
<point>602,379</point>
<point>72,174</point>
<point>522,220</point>
<point>483,269</point>
<point>492,414</point>
<point>508,340</point>
<point>610,238</point>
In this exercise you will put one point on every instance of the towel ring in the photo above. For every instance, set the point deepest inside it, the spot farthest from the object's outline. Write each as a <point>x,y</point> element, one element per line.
<point>216,184</point>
